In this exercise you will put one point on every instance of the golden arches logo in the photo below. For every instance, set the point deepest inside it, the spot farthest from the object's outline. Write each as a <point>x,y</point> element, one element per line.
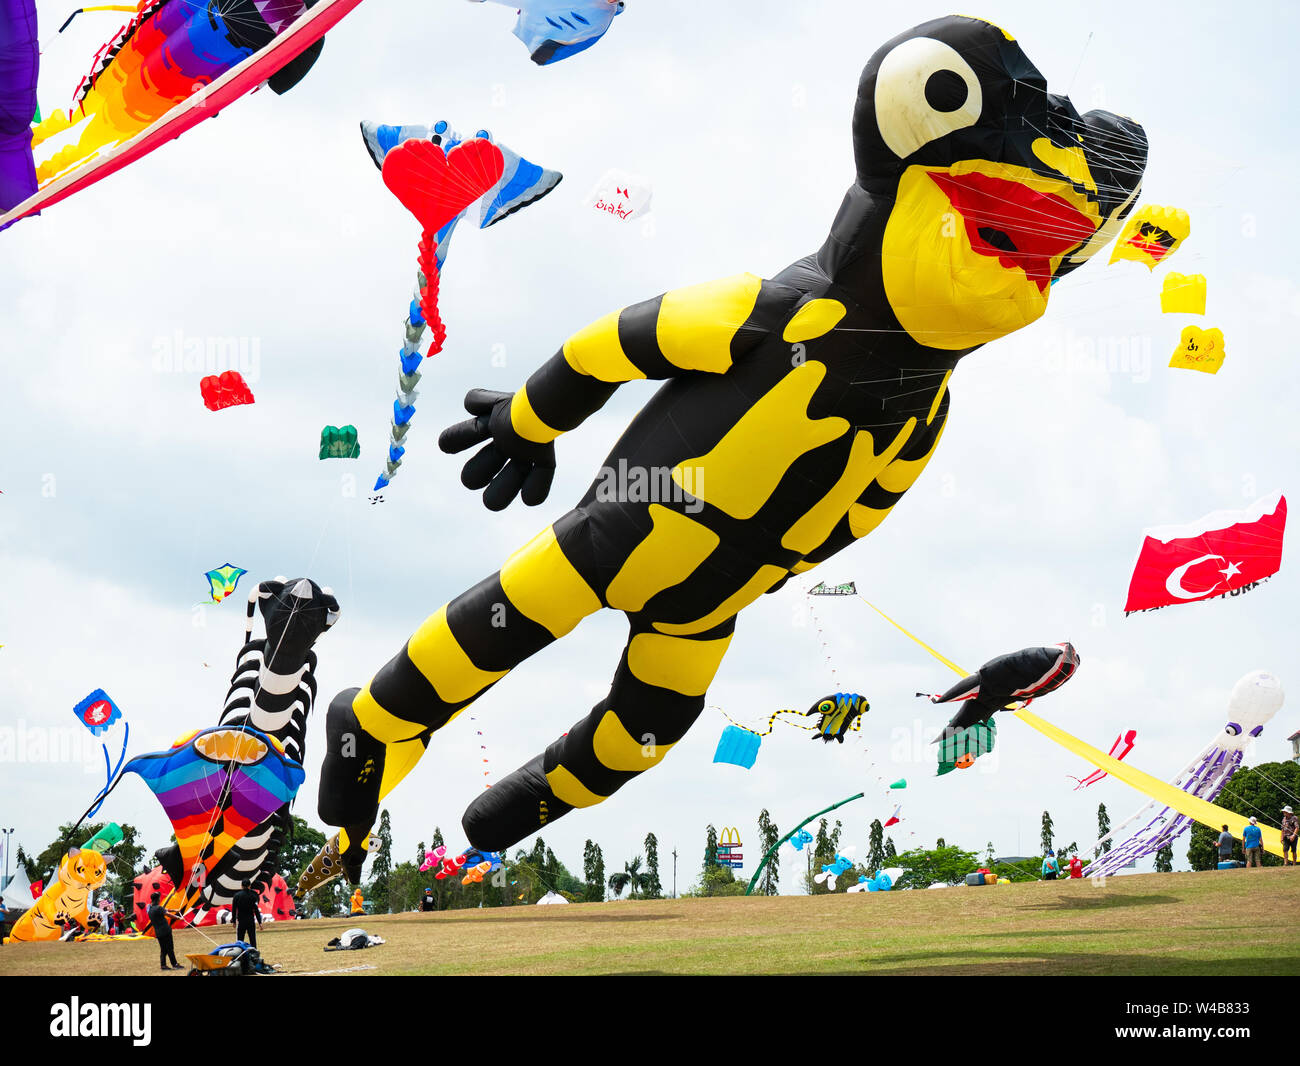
<point>729,837</point>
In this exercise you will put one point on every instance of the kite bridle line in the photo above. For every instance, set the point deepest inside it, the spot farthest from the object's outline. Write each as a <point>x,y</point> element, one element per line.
<point>224,793</point>
<point>227,786</point>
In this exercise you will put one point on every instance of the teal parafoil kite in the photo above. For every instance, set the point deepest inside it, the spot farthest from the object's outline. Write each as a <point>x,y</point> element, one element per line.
<point>339,442</point>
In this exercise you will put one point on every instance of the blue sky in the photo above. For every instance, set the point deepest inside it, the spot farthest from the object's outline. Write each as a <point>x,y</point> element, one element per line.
<point>269,231</point>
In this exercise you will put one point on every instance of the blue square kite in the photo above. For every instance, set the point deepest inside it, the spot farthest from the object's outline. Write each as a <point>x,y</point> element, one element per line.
<point>97,712</point>
<point>738,747</point>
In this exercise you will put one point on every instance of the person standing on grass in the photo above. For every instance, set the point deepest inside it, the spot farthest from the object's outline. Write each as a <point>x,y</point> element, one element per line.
<point>1290,830</point>
<point>1252,840</point>
<point>160,919</point>
<point>1051,868</point>
<point>1225,845</point>
<point>1076,866</point>
<point>244,909</point>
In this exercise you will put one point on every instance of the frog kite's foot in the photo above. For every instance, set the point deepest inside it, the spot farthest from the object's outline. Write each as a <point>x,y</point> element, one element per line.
<point>517,807</point>
<point>350,778</point>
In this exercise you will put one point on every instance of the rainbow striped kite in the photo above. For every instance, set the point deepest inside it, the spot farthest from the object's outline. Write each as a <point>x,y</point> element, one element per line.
<point>216,785</point>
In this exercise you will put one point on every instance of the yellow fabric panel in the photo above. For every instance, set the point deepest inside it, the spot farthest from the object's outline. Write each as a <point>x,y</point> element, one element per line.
<point>803,566</point>
<point>568,789</point>
<point>1068,161</point>
<point>1206,813</point>
<point>380,723</point>
<point>859,472</point>
<point>901,475</point>
<point>816,318</point>
<point>1183,294</point>
<point>617,749</point>
<point>596,352</point>
<point>668,556</point>
<point>862,519</point>
<point>680,665</point>
<point>766,577</point>
<point>945,293</point>
<point>525,422</point>
<point>540,581</point>
<point>938,398</point>
<point>399,760</point>
<point>445,664</point>
<point>745,467</point>
<point>697,324</point>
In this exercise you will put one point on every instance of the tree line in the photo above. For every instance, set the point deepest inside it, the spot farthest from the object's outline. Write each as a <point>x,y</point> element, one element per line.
<point>531,873</point>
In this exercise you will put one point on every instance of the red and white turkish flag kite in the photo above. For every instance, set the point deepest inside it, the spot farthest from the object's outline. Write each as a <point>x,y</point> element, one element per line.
<point>1224,553</point>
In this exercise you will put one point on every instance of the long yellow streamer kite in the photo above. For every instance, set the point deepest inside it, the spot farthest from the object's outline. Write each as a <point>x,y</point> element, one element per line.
<point>1206,813</point>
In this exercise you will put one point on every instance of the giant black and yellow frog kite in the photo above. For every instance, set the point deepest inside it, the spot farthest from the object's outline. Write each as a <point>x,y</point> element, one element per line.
<point>795,413</point>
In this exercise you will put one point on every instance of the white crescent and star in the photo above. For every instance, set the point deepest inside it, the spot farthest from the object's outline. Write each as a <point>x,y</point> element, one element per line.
<point>1174,583</point>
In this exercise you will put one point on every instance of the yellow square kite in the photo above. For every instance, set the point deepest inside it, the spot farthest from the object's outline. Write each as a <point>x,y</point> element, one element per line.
<point>1199,349</point>
<point>1183,294</point>
<point>1152,235</point>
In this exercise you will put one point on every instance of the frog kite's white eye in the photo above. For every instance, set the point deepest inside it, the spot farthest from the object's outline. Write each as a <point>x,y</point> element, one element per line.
<point>924,90</point>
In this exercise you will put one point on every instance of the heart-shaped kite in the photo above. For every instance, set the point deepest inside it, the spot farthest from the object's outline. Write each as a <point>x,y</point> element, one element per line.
<point>436,187</point>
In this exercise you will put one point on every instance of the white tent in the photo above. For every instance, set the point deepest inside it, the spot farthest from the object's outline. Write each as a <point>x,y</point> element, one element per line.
<point>552,897</point>
<point>18,893</point>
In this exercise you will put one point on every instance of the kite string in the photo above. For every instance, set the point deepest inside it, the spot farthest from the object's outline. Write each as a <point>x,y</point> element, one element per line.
<point>857,723</point>
<point>227,787</point>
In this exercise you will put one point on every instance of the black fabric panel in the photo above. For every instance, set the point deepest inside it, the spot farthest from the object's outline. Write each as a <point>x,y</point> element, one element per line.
<point>401,689</point>
<point>638,334</point>
<point>494,633</point>
<point>563,398</point>
<point>296,69</point>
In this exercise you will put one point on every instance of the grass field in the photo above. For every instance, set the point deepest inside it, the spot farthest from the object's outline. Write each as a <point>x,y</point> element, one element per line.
<point>1230,923</point>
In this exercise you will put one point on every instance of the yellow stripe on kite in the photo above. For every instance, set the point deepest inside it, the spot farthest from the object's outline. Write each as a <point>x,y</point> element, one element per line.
<point>1203,811</point>
<point>1208,814</point>
<point>915,639</point>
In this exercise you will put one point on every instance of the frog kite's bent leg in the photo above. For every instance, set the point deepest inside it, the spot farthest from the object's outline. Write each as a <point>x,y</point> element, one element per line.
<point>376,735</point>
<point>657,694</point>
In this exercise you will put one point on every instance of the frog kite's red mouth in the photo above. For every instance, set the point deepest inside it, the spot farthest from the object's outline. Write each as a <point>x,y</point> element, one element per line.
<point>1021,227</point>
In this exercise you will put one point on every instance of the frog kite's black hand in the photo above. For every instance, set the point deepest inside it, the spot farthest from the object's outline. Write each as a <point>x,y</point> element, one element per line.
<point>509,466</point>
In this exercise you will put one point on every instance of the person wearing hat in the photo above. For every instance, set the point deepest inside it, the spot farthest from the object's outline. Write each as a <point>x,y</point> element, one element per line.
<point>1252,841</point>
<point>1290,829</point>
<point>1051,868</point>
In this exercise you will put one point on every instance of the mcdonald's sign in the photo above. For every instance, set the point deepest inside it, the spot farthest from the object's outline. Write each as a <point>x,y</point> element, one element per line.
<point>729,848</point>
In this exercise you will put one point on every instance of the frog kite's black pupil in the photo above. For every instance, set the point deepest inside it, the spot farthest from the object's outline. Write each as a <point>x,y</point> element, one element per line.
<point>945,90</point>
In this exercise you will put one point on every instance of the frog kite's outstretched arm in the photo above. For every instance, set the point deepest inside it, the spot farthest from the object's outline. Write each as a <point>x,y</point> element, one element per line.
<point>795,414</point>
<point>701,328</point>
